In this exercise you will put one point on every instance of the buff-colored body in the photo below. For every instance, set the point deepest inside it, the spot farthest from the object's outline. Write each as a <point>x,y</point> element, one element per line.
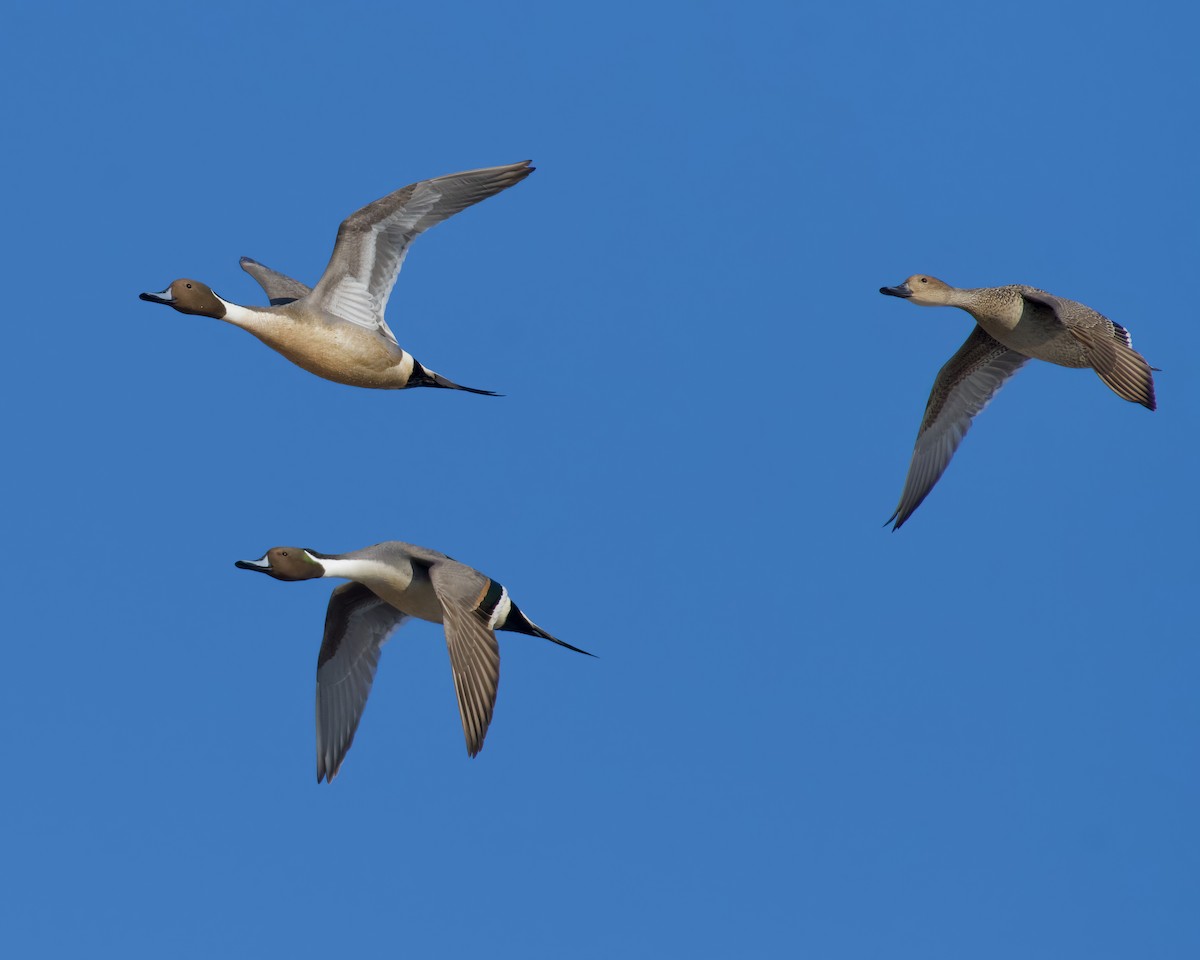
<point>1014,324</point>
<point>336,329</point>
<point>1013,318</point>
<point>322,344</point>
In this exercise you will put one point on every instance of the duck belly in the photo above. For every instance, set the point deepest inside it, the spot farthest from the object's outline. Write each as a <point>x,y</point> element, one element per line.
<point>1032,336</point>
<point>344,354</point>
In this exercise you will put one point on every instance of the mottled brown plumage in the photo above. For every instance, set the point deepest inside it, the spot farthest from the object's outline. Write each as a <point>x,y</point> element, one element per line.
<point>1013,324</point>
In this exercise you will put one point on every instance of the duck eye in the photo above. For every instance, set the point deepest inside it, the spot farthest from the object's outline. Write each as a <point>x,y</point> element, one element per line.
<point>923,280</point>
<point>283,553</point>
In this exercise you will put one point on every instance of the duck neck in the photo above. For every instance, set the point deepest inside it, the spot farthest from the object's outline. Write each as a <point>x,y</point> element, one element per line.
<point>361,570</point>
<point>248,318</point>
<point>963,299</point>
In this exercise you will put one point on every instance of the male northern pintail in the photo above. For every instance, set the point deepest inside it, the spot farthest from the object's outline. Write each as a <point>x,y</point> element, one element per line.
<point>336,330</point>
<point>391,582</point>
<point>1013,324</point>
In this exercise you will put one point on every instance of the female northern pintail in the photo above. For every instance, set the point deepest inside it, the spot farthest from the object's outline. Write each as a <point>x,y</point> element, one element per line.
<point>391,582</point>
<point>336,330</point>
<point>1013,324</point>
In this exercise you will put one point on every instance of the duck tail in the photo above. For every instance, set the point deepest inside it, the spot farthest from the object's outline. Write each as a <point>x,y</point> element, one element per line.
<point>517,622</point>
<point>1115,361</point>
<point>421,377</point>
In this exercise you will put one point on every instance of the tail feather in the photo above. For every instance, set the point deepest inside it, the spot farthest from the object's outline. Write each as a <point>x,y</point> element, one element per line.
<point>1125,370</point>
<point>517,622</point>
<point>421,377</point>
<point>1121,335</point>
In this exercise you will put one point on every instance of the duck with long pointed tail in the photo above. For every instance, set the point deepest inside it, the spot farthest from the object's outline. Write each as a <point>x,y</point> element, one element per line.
<point>391,582</point>
<point>1012,324</point>
<point>336,329</point>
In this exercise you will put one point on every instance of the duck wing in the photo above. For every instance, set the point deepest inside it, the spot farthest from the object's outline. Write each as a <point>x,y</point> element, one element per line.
<point>279,287</point>
<point>964,386</point>
<point>474,652</point>
<point>1108,347</point>
<point>373,242</point>
<point>357,623</point>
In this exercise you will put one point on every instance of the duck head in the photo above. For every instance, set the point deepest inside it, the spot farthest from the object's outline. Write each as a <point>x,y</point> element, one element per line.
<point>189,296</point>
<point>286,563</point>
<point>922,289</point>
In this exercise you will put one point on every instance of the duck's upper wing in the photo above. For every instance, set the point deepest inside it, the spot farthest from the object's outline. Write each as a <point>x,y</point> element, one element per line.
<point>356,625</point>
<point>280,288</point>
<point>1108,346</point>
<point>963,387</point>
<point>474,652</point>
<point>372,243</point>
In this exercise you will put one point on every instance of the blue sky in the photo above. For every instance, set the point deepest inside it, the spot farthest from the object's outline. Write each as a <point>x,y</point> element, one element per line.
<point>805,735</point>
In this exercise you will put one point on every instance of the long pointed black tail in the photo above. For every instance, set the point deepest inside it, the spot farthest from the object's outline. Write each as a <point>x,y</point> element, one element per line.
<point>421,377</point>
<point>517,622</point>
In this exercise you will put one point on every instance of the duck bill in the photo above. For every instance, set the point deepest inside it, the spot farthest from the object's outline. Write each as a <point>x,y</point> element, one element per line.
<point>164,297</point>
<point>262,566</point>
<point>904,291</point>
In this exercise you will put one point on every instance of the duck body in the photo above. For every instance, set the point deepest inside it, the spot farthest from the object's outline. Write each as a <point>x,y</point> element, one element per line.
<point>389,583</point>
<point>320,343</point>
<point>398,573</point>
<point>336,329</point>
<point>1013,324</point>
<point>1018,317</point>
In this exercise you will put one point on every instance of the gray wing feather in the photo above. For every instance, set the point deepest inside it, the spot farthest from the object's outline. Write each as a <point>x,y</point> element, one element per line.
<point>372,243</point>
<point>964,386</point>
<point>1108,347</point>
<point>357,623</point>
<point>1055,305</point>
<point>1125,370</point>
<point>474,652</point>
<point>280,288</point>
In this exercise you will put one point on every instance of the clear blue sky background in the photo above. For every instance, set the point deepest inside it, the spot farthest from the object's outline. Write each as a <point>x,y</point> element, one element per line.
<point>805,736</point>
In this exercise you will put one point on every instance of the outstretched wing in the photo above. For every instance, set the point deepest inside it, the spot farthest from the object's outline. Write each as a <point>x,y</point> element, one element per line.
<point>474,652</point>
<point>356,625</point>
<point>372,243</point>
<point>1108,347</point>
<point>963,387</point>
<point>280,288</point>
